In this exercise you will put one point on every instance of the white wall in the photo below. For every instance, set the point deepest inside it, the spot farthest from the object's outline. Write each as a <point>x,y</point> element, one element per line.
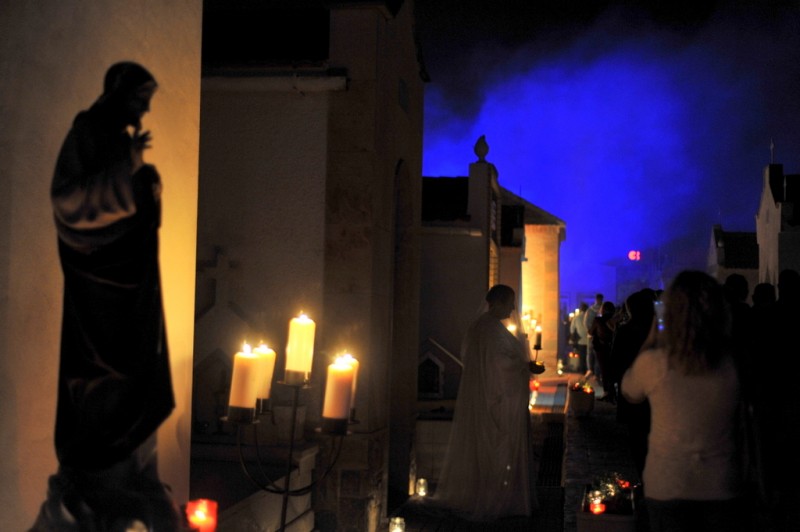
<point>453,283</point>
<point>263,203</point>
<point>53,56</point>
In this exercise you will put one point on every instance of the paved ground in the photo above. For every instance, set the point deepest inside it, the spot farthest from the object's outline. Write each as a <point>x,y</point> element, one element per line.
<point>570,450</point>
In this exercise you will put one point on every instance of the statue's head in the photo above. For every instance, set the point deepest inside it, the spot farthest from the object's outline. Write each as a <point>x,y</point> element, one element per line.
<point>127,90</point>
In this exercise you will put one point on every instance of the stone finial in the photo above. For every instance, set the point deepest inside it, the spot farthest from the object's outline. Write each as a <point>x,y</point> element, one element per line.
<point>481,148</point>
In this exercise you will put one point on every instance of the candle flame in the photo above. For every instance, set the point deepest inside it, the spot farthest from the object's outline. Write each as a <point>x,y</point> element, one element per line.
<point>597,508</point>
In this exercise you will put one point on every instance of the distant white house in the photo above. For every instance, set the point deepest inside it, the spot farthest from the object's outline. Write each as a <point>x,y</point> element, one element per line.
<point>733,252</point>
<point>778,224</point>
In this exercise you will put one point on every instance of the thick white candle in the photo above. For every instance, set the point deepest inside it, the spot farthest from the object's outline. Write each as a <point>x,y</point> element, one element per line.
<point>338,389</point>
<point>248,372</point>
<point>268,357</point>
<point>300,347</point>
<point>348,358</point>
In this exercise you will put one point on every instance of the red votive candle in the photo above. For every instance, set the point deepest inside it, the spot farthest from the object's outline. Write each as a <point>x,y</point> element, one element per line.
<point>202,515</point>
<point>597,508</point>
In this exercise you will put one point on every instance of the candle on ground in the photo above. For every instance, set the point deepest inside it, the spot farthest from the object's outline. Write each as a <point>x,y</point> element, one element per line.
<point>597,507</point>
<point>202,514</point>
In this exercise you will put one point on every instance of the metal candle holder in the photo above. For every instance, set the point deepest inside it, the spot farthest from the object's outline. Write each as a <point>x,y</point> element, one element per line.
<point>243,417</point>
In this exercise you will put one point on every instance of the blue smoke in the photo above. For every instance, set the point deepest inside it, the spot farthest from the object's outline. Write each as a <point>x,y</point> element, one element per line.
<point>644,144</point>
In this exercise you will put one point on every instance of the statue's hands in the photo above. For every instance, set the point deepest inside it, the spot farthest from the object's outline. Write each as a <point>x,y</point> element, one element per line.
<point>140,142</point>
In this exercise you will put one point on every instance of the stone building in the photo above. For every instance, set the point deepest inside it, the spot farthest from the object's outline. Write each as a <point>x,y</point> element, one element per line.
<point>310,166</point>
<point>537,257</point>
<point>778,224</point>
<point>476,234</point>
<point>291,182</point>
<point>733,252</point>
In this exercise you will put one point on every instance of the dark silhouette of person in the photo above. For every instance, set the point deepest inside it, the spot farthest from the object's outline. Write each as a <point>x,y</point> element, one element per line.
<point>114,383</point>
<point>764,295</point>
<point>778,405</point>
<point>602,334</point>
<point>629,339</point>
<point>736,290</point>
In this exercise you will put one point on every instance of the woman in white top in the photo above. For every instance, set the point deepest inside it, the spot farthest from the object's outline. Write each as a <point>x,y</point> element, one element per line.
<point>691,474</point>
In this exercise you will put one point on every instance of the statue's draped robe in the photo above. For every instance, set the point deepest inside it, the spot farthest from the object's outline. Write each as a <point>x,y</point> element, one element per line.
<point>486,472</point>
<point>114,377</point>
<point>114,385</point>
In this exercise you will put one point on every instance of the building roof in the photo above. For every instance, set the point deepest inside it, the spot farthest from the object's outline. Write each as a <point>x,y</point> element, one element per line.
<point>533,215</point>
<point>445,199</point>
<point>736,249</point>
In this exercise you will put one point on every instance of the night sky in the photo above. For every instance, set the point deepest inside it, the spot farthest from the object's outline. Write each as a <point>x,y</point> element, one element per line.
<point>640,127</point>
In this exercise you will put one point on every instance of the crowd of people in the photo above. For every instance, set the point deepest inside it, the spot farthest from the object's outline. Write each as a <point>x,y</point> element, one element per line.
<point>709,415</point>
<point>691,372</point>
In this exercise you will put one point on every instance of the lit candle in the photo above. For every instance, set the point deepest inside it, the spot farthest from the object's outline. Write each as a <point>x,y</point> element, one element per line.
<point>299,349</point>
<point>268,358</point>
<point>338,388</point>
<point>348,359</point>
<point>422,487</point>
<point>538,343</point>
<point>397,524</point>
<point>202,515</point>
<point>597,507</point>
<point>248,372</point>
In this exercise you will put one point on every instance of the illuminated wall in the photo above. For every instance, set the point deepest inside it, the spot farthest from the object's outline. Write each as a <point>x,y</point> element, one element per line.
<point>310,189</point>
<point>53,56</point>
<point>540,283</point>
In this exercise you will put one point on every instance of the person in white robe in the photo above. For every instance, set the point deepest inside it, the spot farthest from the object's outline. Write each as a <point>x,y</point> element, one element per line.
<point>486,473</point>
